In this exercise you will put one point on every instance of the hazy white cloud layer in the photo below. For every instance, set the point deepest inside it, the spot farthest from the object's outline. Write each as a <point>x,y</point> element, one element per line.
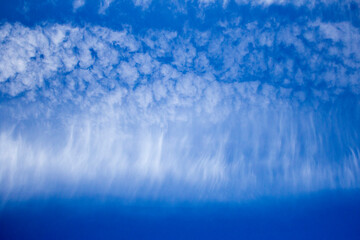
<point>223,115</point>
<point>180,4</point>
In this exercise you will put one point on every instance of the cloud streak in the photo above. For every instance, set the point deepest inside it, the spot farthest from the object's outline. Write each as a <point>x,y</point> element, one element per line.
<point>78,4</point>
<point>181,5</point>
<point>251,109</point>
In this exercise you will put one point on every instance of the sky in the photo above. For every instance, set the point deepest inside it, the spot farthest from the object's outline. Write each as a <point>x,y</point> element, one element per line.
<point>176,102</point>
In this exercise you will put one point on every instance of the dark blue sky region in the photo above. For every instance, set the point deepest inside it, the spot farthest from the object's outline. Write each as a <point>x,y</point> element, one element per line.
<point>310,217</point>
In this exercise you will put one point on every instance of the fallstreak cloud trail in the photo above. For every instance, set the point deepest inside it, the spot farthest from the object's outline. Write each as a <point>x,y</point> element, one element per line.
<point>250,109</point>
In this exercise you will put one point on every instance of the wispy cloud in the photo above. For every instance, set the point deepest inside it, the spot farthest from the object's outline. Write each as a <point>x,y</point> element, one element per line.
<point>78,4</point>
<point>182,4</point>
<point>223,114</point>
<point>104,5</point>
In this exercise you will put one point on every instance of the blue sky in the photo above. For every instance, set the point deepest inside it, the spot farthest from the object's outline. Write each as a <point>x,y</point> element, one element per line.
<point>178,101</point>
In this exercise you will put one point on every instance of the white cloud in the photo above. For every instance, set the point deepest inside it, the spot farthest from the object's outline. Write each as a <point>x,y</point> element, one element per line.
<point>104,5</point>
<point>146,63</point>
<point>113,153</point>
<point>142,3</point>
<point>182,5</point>
<point>111,56</point>
<point>78,4</point>
<point>129,114</point>
<point>128,73</point>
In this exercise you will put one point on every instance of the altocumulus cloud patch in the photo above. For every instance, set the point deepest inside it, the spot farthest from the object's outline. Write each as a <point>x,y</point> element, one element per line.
<point>239,109</point>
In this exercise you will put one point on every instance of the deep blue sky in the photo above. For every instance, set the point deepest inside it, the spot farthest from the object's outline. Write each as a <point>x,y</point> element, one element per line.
<point>323,215</point>
<point>234,119</point>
